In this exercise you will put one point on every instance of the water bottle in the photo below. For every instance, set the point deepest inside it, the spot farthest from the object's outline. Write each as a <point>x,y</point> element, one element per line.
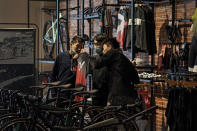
<point>89,83</point>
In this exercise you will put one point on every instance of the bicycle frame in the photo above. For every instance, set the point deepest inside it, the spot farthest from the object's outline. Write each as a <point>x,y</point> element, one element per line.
<point>54,31</point>
<point>116,121</point>
<point>46,37</point>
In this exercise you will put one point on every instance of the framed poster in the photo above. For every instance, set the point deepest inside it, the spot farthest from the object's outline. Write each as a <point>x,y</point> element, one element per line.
<point>17,58</point>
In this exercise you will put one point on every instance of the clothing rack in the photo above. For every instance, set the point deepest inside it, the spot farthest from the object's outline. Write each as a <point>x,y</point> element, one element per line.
<point>67,25</point>
<point>80,31</point>
<point>58,27</point>
<point>176,43</point>
<point>78,25</point>
<point>132,5</point>
<point>183,20</point>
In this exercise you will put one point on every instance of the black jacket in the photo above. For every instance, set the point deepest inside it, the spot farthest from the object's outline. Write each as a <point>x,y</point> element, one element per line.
<point>121,74</point>
<point>99,78</point>
<point>62,69</point>
<point>144,30</point>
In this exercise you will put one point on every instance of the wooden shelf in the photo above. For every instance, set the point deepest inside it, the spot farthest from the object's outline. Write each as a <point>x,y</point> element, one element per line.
<point>44,0</point>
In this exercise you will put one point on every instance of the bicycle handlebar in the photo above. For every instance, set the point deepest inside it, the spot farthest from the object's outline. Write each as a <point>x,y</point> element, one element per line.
<point>104,123</point>
<point>116,121</point>
<point>86,92</point>
<point>140,113</point>
<point>29,97</point>
<point>123,106</point>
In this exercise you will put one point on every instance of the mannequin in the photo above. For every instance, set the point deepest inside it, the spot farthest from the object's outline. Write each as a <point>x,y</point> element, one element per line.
<point>192,63</point>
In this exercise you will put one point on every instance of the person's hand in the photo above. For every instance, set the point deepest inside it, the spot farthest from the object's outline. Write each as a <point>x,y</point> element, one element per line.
<point>70,51</point>
<point>133,62</point>
<point>76,56</point>
<point>82,51</point>
<point>108,103</point>
<point>104,51</point>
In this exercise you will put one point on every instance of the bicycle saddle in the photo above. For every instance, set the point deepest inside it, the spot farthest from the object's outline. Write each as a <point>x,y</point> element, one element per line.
<point>52,83</point>
<point>66,86</point>
<point>86,92</point>
<point>30,98</point>
<point>39,86</point>
<point>73,89</point>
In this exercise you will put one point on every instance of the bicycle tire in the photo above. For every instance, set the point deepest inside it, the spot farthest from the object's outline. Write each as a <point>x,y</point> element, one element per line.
<point>130,126</point>
<point>90,111</point>
<point>47,46</point>
<point>74,115</point>
<point>22,124</point>
<point>7,118</point>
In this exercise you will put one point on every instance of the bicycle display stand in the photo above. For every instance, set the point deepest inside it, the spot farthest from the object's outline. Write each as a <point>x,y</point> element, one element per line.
<point>57,18</point>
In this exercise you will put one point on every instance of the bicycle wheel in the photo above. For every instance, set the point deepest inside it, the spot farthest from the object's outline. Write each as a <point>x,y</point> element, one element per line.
<point>21,125</point>
<point>90,111</point>
<point>48,42</point>
<point>7,118</point>
<point>130,126</point>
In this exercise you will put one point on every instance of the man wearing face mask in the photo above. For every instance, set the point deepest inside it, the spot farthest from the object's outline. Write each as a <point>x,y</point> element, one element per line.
<point>122,74</point>
<point>100,76</point>
<point>98,39</point>
<point>64,69</point>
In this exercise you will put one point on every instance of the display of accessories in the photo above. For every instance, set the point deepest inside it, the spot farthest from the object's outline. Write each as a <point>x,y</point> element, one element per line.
<point>88,11</point>
<point>149,75</point>
<point>97,10</point>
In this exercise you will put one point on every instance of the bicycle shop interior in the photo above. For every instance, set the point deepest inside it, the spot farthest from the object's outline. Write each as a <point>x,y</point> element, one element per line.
<point>52,77</point>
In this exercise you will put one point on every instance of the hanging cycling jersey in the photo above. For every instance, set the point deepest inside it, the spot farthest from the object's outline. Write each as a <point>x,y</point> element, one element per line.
<point>108,23</point>
<point>194,20</point>
<point>81,74</point>
<point>122,25</point>
<point>81,70</point>
<point>144,29</point>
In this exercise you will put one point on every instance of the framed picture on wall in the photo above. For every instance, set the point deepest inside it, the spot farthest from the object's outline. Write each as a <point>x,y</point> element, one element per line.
<point>17,58</point>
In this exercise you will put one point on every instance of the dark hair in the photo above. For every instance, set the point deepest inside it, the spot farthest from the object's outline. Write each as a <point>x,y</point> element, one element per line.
<point>112,41</point>
<point>100,37</point>
<point>85,37</point>
<point>77,39</point>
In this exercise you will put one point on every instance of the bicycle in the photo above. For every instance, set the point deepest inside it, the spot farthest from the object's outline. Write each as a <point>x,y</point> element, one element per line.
<point>50,33</point>
<point>120,121</point>
<point>37,120</point>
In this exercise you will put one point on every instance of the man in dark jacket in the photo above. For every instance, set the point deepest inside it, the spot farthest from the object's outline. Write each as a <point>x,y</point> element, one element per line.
<point>122,74</point>
<point>100,76</point>
<point>65,63</point>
